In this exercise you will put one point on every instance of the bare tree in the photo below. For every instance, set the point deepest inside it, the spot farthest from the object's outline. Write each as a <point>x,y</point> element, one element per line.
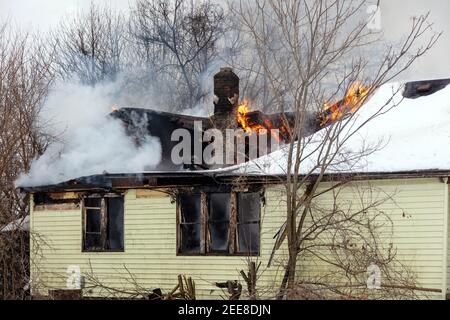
<point>178,40</point>
<point>25,74</point>
<point>350,237</point>
<point>92,46</point>
<point>310,52</point>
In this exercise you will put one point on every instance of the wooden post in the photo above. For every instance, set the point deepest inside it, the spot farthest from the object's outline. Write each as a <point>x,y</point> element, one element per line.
<point>204,234</point>
<point>233,223</point>
<point>104,223</point>
<point>83,225</point>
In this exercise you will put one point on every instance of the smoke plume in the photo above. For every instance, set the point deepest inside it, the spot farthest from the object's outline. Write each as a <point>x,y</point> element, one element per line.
<point>88,140</point>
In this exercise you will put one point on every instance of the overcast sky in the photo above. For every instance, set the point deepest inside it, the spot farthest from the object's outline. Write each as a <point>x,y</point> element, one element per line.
<point>396,16</point>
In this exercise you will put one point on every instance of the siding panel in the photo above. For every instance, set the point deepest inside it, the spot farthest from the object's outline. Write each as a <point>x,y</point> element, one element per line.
<point>416,210</point>
<point>150,251</point>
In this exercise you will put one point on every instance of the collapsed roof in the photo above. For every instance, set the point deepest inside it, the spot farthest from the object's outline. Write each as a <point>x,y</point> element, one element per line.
<point>409,136</point>
<point>162,124</point>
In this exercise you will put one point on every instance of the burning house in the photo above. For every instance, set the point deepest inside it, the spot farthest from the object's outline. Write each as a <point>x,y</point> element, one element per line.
<point>244,125</point>
<point>207,221</point>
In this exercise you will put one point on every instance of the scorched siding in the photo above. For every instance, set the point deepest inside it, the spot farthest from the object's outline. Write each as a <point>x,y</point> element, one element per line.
<point>417,210</point>
<point>150,250</point>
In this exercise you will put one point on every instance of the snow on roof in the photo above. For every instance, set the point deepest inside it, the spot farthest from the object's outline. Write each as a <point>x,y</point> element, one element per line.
<point>408,135</point>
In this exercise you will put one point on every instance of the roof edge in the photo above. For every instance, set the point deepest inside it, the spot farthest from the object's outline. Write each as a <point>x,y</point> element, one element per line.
<point>164,179</point>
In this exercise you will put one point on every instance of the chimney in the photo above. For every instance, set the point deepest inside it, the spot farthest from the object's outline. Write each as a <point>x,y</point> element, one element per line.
<point>226,98</point>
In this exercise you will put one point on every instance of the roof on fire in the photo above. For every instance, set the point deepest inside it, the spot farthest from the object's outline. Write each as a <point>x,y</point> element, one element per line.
<point>409,136</point>
<point>400,131</point>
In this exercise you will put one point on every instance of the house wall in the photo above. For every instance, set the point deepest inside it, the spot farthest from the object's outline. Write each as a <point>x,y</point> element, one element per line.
<point>150,250</point>
<point>418,209</point>
<point>447,283</point>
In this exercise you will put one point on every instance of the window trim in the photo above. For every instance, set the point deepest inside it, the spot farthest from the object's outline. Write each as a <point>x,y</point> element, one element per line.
<point>104,222</point>
<point>204,214</point>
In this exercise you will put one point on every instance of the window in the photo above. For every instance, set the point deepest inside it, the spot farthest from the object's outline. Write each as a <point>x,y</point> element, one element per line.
<point>103,223</point>
<point>93,223</point>
<point>248,223</point>
<point>218,223</point>
<point>190,223</point>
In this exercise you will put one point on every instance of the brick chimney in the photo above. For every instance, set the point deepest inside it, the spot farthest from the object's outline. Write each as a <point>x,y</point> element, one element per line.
<point>226,98</point>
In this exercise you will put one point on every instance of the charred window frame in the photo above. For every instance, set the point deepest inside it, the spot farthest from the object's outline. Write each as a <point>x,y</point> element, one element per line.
<point>103,223</point>
<point>215,223</point>
<point>190,223</point>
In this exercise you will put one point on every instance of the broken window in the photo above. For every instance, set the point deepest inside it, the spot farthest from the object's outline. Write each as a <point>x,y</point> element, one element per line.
<point>103,223</point>
<point>115,223</point>
<point>248,222</point>
<point>190,223</point>
<point>218,223</point>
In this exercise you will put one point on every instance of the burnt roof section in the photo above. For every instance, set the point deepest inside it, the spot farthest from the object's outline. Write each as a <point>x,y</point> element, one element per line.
<point>128,116</point>
<point>144,122</point>
<point>416,89</point>
<point>123,181</point>
<point>159,121</point>
<point>140,123</point>
<point>119,181</point>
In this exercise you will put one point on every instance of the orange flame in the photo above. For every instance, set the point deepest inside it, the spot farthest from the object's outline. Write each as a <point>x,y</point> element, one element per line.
<point>254,122</point>
<point>261,126</point>
<point>242,119</point>
<point>355,97</point>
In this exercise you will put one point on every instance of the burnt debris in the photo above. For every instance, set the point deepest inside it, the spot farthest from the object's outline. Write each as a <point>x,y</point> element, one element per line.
<point>141,123</point>
<point>145,122</point>
<point>422,88</point>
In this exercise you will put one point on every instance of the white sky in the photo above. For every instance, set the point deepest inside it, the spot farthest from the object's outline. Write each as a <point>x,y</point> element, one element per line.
<point>44,14</point>
<point>33,15</point>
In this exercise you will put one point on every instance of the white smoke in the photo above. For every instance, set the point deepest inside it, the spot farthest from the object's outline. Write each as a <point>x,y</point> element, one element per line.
<point>205,107</point>
<point>89,141</point>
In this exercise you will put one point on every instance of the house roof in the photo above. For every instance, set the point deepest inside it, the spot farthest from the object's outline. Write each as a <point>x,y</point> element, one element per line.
<point>408,135</point>
<point>161,125</point>
<point>408,138</point>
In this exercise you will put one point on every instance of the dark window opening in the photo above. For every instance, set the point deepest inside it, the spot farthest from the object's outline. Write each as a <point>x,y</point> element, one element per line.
<point>115,223</point>
<point>103,223</point>
<point>218,226</point>
<point>248,223</point>
<point>190,234</point>
<point>190,223</point>
<point>93,235</point>
<point>219,221</point>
